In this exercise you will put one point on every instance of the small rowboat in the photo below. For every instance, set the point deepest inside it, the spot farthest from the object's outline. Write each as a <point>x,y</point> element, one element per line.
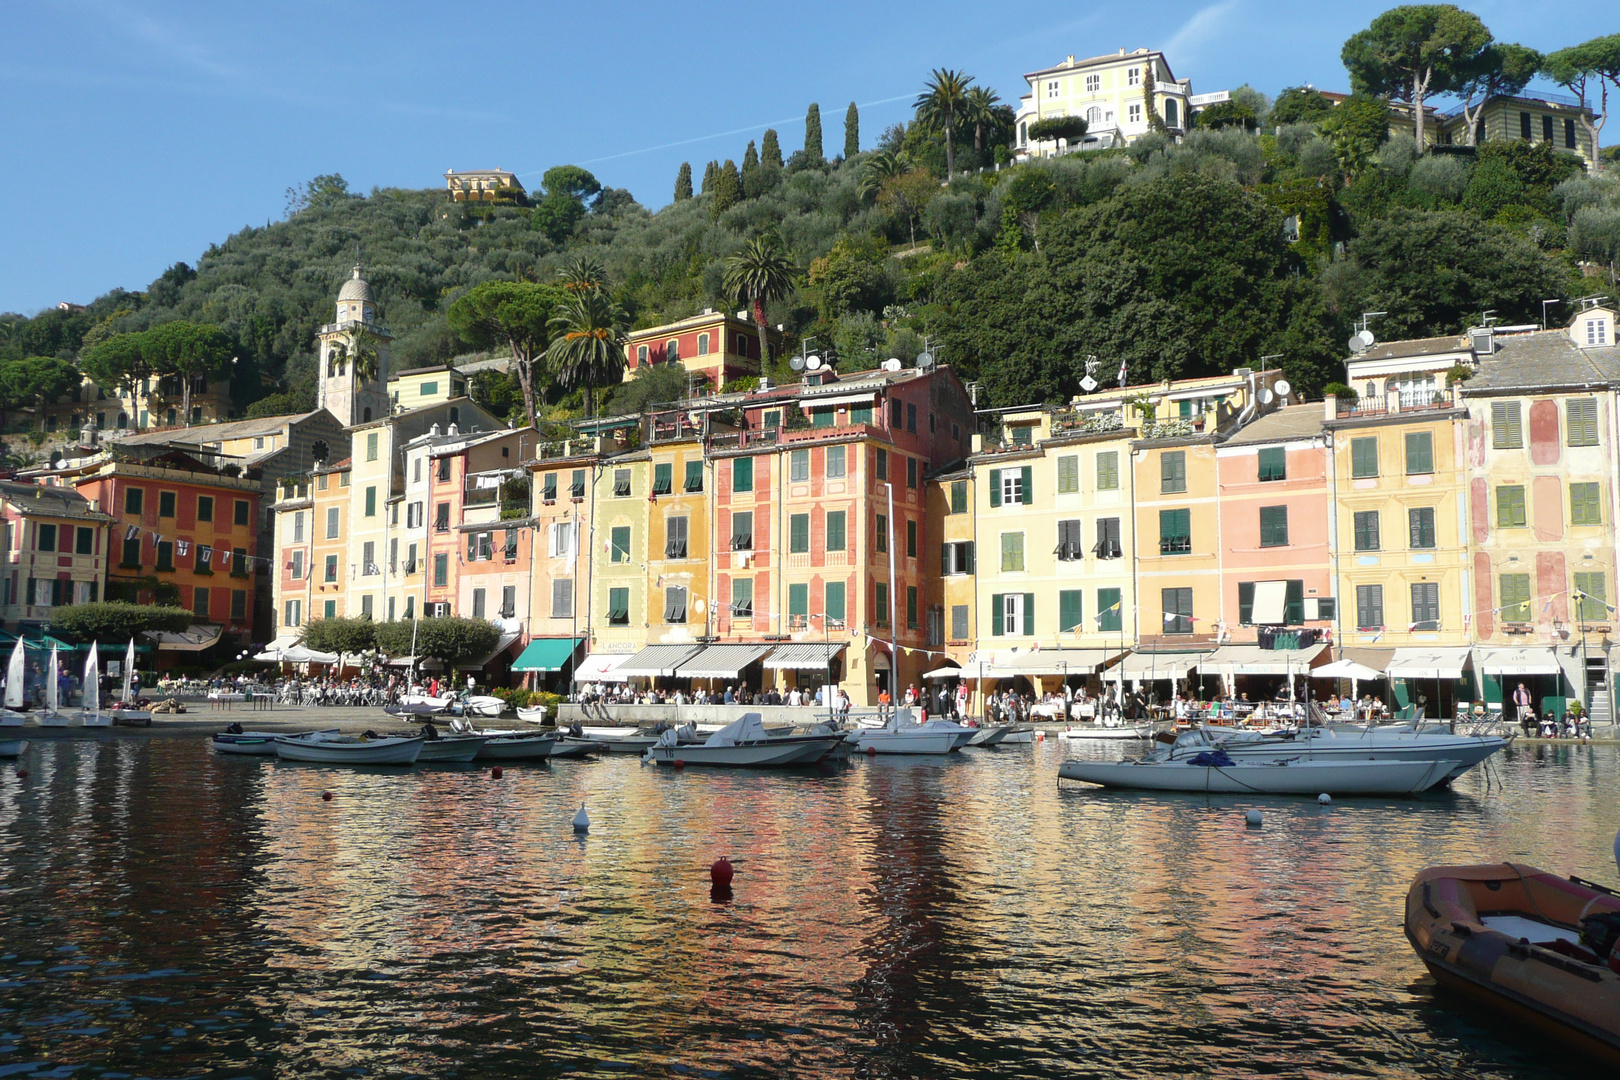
<point>256,743</point>
<point>452,748</point>
<point>1535,946</point>
<point>536,715</point>
<point>10,748</point>
<point>325,749</point>
<point>516,746</point>
<point>1085,732</point>
<point>1296,777</point>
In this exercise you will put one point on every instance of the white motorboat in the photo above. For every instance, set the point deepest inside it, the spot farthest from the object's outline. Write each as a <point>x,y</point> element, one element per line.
<point>327,749</point>
<point>997,734</point>
<point>16,676</point>
<point>536,715</point>
<point>422,704</point>
<point>1329,744</point>
<point>90,714</point>
<point>743,743</point>
<point>482,705</point>
<point>255,743</point>
<point>1084,732</point>
<point>10,748</point>
<point>516,746</point>
<point>901,736</point>
<point>1295,776</point>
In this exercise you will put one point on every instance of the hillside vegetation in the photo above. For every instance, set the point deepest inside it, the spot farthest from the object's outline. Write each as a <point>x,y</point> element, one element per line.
<point>1170,257</point>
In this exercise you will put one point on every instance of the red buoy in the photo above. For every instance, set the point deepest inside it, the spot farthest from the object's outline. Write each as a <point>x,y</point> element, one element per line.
<point>679,764</point>
<point>871,751</point>
<point>496,773</point>
<point>22,774</point>
<point>327,795</point>
<point>720,873</point>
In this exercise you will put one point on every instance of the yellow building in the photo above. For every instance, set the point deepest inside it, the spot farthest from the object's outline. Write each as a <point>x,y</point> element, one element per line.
<point>435,384</point>
<point>1109,92</point>
<point>623,588</point>
<point>1556,119</point>
<point>482,185</point>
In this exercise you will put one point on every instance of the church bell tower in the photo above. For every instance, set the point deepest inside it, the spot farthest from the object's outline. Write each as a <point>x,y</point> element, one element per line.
<point>353,382</point>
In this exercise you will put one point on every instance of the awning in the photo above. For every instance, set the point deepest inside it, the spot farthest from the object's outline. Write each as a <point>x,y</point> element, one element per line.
<point>804,656</point>
<point>1270,603</point>
<point>1516,660</point>
<point>721,661</point>
<point>505,642</point>
<point>1346,669</point>
<point>546,654</point>
<point>1367,656</point>
<point>1161,665</point>
<point>1253,660</point>
<point>195,638</point>
<point>602,667</point>
<point>1428,663</point>
<point>948,672</point>
<point>657,660</point>
<point>1052,662</point>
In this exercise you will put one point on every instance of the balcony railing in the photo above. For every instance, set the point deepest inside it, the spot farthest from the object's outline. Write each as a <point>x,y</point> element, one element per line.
<point>565,448</point>
<point>1176,428</point>
<point>1078,422</point>
<point>1393,404</point>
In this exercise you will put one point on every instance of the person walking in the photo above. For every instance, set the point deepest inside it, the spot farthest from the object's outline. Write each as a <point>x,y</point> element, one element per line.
<point>1526,712</point>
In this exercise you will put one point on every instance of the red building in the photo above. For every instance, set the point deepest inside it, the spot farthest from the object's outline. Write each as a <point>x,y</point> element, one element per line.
<point>715,345</point>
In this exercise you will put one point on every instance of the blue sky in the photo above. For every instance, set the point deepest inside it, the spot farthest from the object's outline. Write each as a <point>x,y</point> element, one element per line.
<point>138,132</point>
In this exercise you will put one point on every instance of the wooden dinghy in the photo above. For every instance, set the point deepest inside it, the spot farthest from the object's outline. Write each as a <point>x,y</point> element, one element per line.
<point>1531,944</point>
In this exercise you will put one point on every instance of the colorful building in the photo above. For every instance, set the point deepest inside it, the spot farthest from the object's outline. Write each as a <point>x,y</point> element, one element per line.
<point>715,345</point>
<point>55,545</point>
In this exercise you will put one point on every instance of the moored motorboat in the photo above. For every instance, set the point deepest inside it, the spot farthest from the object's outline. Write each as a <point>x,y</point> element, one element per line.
<point>1215,772</point>
<point>1329,744</point>
<point>899,735</point>
<point>254,743</point>
<point>327,749</point>
<point>1538,947</point>
<point>570,747</point>
<point>10,748</point>
<point>743,743</point>
<point>1082,732</point>
<point>997,734</point>
<point>516,746</point>
<point>456,748</point>
<point>482,705</point>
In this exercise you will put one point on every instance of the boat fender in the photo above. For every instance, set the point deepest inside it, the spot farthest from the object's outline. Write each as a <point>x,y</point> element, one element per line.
<point>1254,819</point>
<point>582,820</point>
<point>1324,798</point>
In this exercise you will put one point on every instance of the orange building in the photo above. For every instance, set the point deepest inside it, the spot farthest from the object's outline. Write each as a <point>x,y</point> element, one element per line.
<point>715,345</point>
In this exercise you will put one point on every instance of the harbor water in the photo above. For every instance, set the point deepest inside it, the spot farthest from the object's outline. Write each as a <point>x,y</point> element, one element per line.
<point>168,913</point>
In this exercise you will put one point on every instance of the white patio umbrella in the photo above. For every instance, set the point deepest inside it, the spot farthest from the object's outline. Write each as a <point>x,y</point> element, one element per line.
<point>1346,669</point>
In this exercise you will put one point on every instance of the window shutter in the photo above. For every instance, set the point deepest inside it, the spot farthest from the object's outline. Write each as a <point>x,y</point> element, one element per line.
<point>967,566</point>
<point>1029,492</point>
<point>944,559</point>
<point>996,614</point>
<point>1029,614</point>
<point>1069,610</point>
<point>1294,602</point>
<point>1582,421</point>
<point>1245,603</point>
<point>995,488</point>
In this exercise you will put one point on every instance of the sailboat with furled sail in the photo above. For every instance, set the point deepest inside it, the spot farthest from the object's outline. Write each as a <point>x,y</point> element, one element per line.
<point>90,714</point>
<point>16,677</point>
<point>127,710</point>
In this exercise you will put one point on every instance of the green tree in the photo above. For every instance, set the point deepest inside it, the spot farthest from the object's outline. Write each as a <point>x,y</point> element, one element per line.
<point>581,273</point>
<point>516,314</point>
<point>117,621</point>
<point>1500,69</point>
<point>571,180</point>
<point>1300,105</point>
<point>710,171</point>
<point>1070,129</point>
<point>727,190</point>
<point>587,347</point>
<point>449,638</point>
<point>943,99</point>
<point>282,403</point>
<point>905,195</point>
<point>683,182</point>
<point>852,131</point>
<point>812,135</point>
<point>360,349</point>
<point>34,380</point>
<point>497,392</point>
<point>750,158</point>
<point>756,275</point>
<point>877,169</point>
<point>748,181</point>
<point>345,637</point>
<point>770,149</point>
<point>187,350</point>
<point>1225,114</point>
<point>979,111</point>
<point>850,278</point>
<point>557,216</point>
<point>1586,69</point>
<point>1411,52</point>
<point>652,384</point>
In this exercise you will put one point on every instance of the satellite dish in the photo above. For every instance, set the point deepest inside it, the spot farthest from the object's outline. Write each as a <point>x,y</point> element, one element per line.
<point>1366,338</point>
<point>813,364</point>
<point>1265,396</point>
<point>891,365</point>
<point>797,363</point>
<point>925,360</point>
<point>1354,344</point>
<point>1282,387</point>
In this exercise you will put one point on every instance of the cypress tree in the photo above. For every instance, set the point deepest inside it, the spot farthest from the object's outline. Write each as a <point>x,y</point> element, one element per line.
<point>708,176</point>
<point>770,149</point>
<point>812,133</point>
<point>683,182</point>
<point>852,132</point>
<point>750,158</point>
<point>727,189</point>
<point>750,173</point>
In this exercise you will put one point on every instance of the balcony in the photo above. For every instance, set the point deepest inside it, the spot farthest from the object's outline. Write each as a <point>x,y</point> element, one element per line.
<point>1180,427</point>
<point>1079,422</point>
<point>565,448</point>
<point>1395,404</point>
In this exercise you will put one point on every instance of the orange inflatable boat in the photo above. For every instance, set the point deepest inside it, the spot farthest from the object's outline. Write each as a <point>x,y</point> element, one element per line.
<point>1542,948</point>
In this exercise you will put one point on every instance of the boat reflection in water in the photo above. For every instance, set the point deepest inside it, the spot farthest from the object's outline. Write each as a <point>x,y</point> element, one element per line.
<point>175,912</point>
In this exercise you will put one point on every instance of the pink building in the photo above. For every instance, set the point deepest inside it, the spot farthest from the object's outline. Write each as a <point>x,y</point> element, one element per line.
<point>1275,516</point>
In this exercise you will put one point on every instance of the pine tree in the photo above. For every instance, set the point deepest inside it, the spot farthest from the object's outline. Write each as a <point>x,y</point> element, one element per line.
<point>852,132</point>
<point>683,182</point>
<point>708,176</point>
<point>727,189</point>
<point>812,134</point>
<point>770,150</point>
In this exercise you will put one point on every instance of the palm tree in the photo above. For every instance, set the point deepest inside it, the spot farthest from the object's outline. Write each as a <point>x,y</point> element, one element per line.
<point>756,275</point>
<point>876,169</point>
<point>588,350</point>
<point>941,103</point>
<point>580,273</point>
<point>980,109</point>
<point>359,350</point>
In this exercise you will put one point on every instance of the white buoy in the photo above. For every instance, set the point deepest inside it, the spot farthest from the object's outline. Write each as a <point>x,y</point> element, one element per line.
<point>1324,798</point>
<point>582,820</point>
<point>1254,818</point>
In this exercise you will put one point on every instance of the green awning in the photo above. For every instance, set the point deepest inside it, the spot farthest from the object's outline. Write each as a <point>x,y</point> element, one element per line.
<point>547,654</point>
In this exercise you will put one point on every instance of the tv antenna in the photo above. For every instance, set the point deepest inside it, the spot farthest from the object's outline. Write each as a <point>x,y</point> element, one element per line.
<point>802,361</point>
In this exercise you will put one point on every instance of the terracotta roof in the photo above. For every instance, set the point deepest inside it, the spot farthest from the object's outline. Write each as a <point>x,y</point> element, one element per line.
<point>1290,422</point>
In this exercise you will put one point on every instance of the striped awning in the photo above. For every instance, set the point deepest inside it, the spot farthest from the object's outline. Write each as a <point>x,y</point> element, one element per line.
<point>804,656</point>
<point>721,661</point>
<point>657,661</point>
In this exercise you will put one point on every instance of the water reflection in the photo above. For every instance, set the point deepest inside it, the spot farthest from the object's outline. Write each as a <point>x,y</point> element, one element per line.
<point>170,913</point>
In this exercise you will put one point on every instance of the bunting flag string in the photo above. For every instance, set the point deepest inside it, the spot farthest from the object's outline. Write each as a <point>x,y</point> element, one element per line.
<point>132,533</point>
<point>183,547</point>
<point>206,554</point>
